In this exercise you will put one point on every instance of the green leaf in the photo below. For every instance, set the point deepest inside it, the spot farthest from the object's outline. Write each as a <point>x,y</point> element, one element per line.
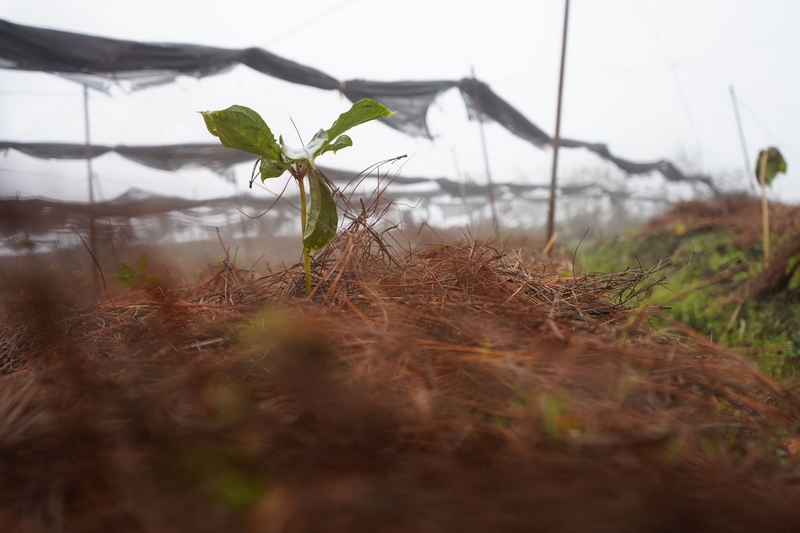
<point>212,128</point>
<point>269,168</point>
<point>793,271</point>
<point>141,262</point>
<point>361,112</point>
<point>236,487</point>
<point>552,410</point>
<point>126,275</point>
<point>241,127</point>
<point>775,164</point>
<point>322,216</point>
<point>793,264</point>
<point>342,142</point>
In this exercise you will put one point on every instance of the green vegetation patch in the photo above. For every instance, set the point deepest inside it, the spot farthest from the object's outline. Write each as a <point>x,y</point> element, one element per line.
<point>709,288</point>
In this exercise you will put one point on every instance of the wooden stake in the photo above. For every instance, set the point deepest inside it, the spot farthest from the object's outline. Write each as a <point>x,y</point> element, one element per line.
<point>90,178</point>
<point>489,185</point>
<point>551,214</point>
<point>762,171</point>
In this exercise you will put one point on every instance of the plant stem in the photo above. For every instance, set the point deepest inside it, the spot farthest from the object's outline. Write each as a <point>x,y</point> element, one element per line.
<point>303,210</point>
<point>762,171</point>
<point>307,268</point>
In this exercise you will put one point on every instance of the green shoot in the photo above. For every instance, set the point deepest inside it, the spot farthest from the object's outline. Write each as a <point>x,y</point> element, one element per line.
<point>770,162</point>
<point>135,275</point>
<point>242,128</point>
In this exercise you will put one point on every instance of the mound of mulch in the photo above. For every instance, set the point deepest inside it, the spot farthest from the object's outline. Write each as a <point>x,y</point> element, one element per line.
<point>741,215</point>
<point>452,389</point>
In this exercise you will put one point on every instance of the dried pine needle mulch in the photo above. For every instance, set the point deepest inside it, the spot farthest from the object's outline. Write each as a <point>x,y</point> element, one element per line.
<point>740,215</point>
<point>453,389</point>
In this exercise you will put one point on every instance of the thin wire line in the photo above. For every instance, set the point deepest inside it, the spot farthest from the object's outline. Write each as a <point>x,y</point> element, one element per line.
<point>309,21</point>
<point>674,68</point>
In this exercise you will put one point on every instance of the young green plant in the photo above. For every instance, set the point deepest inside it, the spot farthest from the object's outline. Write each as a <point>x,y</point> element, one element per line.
<point>242,128</point>
<point>770,162</point>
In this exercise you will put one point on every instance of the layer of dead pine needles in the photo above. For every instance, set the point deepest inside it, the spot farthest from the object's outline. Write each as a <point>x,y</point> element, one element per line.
<point>450,389</point>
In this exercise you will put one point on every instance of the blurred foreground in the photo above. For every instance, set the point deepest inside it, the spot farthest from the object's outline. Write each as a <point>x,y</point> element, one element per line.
<point>453,388</point>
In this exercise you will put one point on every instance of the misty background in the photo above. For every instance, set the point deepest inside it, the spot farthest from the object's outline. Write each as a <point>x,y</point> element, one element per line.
<point>649,79</point>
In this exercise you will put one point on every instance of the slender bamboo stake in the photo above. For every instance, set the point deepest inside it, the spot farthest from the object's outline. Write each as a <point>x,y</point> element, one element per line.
<point>462,188</point>
<point>551,215</point>
<point>489,185</point>
<point>90,178</point>
<point>762,171</point>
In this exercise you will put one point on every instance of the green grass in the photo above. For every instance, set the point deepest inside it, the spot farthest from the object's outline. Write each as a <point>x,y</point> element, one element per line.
<point>707,290</point>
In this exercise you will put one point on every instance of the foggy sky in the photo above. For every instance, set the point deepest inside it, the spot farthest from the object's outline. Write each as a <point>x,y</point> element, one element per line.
<point>649,78</point>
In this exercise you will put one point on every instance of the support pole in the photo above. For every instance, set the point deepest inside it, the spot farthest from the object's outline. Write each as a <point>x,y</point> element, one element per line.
<point>489,185</point>
<point>462,189</point>
<point>551,215</point>
<point>90,179</point>
<point>762,179</point>
<point>747,168</point>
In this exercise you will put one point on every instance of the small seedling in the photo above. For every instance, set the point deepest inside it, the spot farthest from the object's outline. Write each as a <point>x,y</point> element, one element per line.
<point>241,127</point>
<point>135,275</point>
<point>770,162</point>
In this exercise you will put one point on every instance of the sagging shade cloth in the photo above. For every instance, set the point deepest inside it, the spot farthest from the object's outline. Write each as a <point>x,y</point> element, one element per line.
<point>98,61</point>
<point>483,102</point>
<point>664,167</point>
<point>174,157</point>
<point>410,100</point>
<point>144,64</point>
<point>54,150</point>
<point>169,157</point>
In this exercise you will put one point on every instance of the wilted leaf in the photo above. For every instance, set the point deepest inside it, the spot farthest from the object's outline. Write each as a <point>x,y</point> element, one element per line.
<point>775,164</point>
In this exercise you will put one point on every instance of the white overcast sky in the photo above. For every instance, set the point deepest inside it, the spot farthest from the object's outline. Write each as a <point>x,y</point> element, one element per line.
<point>648,77</point>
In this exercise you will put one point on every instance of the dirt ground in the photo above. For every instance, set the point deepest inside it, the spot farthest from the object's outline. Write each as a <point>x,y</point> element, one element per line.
<point>461,387</point>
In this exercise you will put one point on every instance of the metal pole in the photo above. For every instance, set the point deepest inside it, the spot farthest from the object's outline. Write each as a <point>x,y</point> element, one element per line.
<point>747,168</point>
<point>90,176</point>
<point>551,215</point>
